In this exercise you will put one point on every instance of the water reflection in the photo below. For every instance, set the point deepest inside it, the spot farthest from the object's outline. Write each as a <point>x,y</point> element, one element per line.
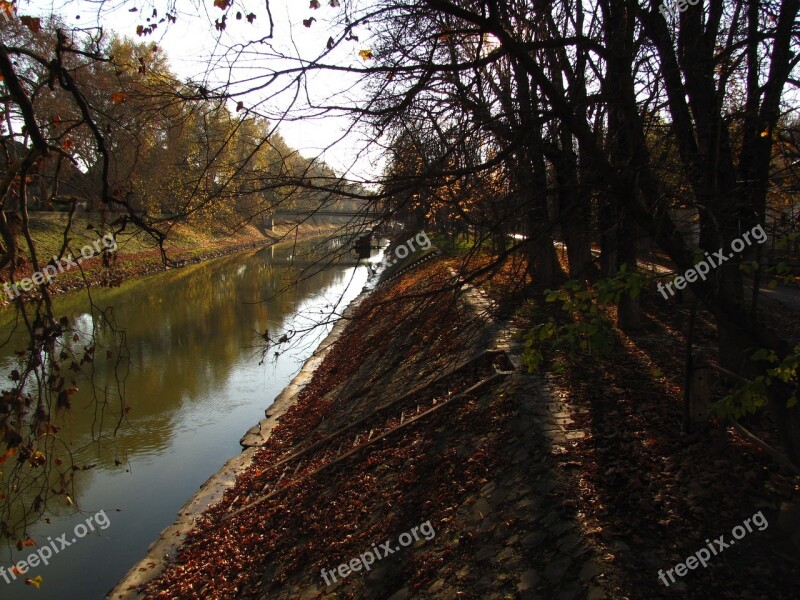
<point>193,386</point>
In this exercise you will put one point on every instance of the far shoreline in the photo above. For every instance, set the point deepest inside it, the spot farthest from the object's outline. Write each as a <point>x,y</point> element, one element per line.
<point>135,265</point>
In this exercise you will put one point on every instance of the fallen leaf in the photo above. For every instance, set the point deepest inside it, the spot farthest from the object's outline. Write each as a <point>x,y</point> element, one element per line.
<point>32,23</point>
<point>8,8</point>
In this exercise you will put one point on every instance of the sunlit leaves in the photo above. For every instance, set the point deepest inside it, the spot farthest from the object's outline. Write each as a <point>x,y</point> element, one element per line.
<point>751,396</point>
<point>8,8</point>
<point>37,459</point>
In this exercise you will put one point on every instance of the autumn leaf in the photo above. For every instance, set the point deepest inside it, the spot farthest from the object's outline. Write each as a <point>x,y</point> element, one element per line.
<point>67,144</point>
<point>334,3</point>
<point>238,15</point>
<point>36,581</point>
<point>15,570</point>
<point>307,22</point>
<point>118,97</point>
<point>251,17</point>
<point>56,120</point>
<point>365,54</point>
<point>239,106</point>
<point>32,23</point>
<point>330,43</point>
<point>222,4</point>
<point>29,542</point>
<point>139,30</point>
<point>8,8</point>
<point>314,4</point>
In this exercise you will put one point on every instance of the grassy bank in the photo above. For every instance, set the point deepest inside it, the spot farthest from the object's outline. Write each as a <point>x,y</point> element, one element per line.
<point>137,254</point>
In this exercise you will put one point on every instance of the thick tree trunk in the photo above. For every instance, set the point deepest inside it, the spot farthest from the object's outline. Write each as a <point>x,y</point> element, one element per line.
<point>628,313</point>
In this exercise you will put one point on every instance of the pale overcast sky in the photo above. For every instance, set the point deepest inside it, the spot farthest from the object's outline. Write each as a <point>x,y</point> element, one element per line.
<point>197,51</point>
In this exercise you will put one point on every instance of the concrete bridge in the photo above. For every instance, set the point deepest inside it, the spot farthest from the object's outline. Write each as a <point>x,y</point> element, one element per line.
<point>366,215</point>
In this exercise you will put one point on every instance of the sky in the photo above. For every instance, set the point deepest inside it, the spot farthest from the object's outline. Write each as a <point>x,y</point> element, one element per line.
<point>198,52</point>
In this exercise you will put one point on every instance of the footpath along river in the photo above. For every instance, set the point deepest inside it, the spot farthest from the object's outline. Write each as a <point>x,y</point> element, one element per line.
<point>194,387</point>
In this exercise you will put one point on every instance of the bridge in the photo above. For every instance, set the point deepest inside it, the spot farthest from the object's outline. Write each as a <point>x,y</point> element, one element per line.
<point>283,214</point>
<point>367,214</point>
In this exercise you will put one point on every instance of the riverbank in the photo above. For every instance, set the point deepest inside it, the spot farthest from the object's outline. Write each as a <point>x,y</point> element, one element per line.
<point>138,257</point>
<point>535,486</point>
<point>171,538</point>
<point>376,444</point>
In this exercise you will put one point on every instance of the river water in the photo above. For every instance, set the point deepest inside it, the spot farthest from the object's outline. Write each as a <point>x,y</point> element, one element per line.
<point>194,387</point>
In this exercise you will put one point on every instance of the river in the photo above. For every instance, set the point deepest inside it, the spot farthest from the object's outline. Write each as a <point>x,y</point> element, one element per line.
<point>193,388</point>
